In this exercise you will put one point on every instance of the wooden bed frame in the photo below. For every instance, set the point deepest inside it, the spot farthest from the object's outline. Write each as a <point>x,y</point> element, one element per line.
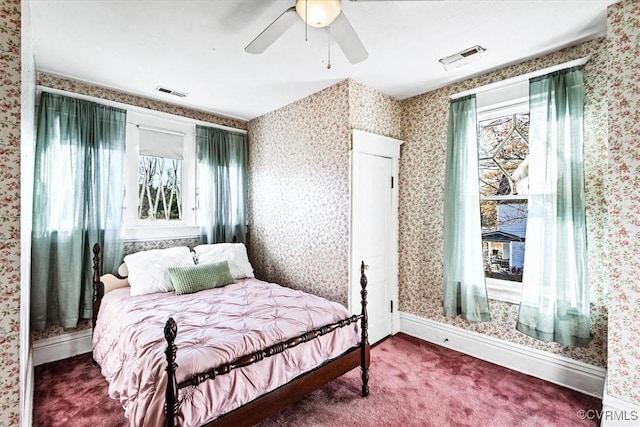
<point>272,402</point>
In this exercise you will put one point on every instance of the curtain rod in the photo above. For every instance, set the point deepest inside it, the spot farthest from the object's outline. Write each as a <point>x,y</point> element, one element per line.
<point>521,78</point>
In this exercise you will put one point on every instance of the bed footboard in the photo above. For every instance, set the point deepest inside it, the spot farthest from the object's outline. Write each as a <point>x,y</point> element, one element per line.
<point>323,374</point>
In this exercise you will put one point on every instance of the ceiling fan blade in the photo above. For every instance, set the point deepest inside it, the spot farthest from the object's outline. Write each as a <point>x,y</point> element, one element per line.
<point>348,40</point>
<point>273,31</point>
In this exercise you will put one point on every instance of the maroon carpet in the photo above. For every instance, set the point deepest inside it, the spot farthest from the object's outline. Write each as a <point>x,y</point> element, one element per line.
<point>413,383</point>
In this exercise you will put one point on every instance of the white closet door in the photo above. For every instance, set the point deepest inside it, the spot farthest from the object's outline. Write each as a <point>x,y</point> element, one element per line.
<point>374,229</point>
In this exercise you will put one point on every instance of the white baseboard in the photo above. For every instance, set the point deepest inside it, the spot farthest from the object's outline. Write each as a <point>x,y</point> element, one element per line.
<point>618,413</point>
<point>580,376</point>
<point>61,347</point>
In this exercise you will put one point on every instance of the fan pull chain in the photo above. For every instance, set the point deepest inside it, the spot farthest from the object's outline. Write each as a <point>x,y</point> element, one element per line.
<point>306,20</point>
<point>328,48</point>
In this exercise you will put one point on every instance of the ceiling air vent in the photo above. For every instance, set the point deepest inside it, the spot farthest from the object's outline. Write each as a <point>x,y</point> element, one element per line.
<point>460,59</point>
<point>171,92</point>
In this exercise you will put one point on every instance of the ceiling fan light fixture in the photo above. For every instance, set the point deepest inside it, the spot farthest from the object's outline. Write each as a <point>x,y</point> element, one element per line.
<point>318,13</point>
<point>462,58</point>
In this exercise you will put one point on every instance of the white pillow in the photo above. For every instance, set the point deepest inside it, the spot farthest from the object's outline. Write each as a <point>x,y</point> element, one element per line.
<point>234,253</point>
<point>148,272</point>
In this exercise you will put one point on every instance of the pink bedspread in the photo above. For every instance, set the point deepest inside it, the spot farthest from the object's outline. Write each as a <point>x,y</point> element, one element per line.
<point>214,327</point>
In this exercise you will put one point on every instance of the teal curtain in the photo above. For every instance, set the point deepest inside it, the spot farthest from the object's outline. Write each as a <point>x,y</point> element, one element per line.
<point>222,184</point>
<point>555,297</point>
<point>78,200</point>
<point>465,291</point>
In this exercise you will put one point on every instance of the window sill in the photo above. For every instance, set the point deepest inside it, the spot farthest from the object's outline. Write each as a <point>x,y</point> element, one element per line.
<point>504,290</point>
<point>159,232</point>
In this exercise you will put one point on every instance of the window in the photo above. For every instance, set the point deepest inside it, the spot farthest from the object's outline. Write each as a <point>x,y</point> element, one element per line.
<point>503,148</point>
<point>161,177</point>
<point>159,188</point>
<point>160,156</point>
<point>161,194</point>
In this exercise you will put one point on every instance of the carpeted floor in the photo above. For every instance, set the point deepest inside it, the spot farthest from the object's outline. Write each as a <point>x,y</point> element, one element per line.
<point>413,383</point>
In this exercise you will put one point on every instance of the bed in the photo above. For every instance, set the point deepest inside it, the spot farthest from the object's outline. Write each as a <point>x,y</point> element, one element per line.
<point>229,355</point>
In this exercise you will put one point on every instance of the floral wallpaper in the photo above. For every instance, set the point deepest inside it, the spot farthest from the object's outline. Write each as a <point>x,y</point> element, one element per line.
<point>623,377</point>
<point>132,246</point>
<point>55,330</point>
<point>373,111</point>
<point>299,185</point>
<point>10,92</point>
<point>299,194</point>
<point>55,82</point>
<point>421,203</point>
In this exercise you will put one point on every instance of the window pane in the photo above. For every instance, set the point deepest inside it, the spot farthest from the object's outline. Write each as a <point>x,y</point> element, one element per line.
<point>159,188</point>
<point>491,178</point>
<point>491,134</point>
<point>513,152</point>
<point>503,147</point>
<point>504,225</point>
<point>522,123</point>
<point>503,171</point>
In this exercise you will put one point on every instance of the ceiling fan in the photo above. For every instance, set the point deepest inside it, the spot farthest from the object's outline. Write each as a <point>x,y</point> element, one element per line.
<point>316,13</point>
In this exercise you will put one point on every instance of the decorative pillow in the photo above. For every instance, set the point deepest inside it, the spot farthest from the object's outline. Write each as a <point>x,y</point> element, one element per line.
<point>234,253</point>
<point>187,280</point>
<point>148,269</point>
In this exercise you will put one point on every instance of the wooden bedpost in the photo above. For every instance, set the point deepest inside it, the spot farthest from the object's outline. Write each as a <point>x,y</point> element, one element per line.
<point>364,343</point>
<point>171,397</point>
<point>98,287</point>
<point>98,291</point>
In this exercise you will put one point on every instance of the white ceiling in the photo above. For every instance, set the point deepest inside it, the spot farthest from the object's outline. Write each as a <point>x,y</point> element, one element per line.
<point>197,47</point>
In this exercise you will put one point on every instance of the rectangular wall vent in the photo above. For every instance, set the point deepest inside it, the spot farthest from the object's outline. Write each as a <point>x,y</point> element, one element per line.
<point>171,92</point>
<point>462,58</point>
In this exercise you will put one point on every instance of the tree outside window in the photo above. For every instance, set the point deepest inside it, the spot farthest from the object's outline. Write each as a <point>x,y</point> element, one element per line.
<point>159,188</point>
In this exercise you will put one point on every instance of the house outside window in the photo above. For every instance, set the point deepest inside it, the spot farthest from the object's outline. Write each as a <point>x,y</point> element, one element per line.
<point>503,148</point>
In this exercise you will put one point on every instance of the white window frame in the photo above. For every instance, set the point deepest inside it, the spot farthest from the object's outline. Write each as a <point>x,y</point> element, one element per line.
<point>157,229</point>
<point>493,104</point>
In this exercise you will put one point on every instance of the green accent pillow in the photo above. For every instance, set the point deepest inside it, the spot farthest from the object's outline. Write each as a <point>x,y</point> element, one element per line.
<point>187,280</point>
